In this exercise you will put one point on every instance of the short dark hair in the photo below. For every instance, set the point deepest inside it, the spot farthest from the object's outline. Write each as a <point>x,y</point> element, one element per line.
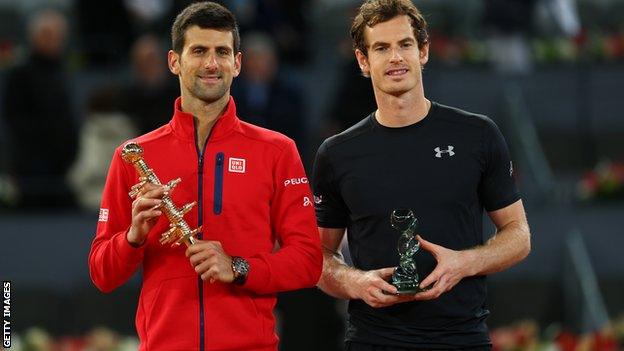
<point>373,12</point>
<point>205,14</point>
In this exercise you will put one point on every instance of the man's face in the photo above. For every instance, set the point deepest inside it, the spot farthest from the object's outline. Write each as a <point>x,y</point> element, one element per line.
<point>49,34</point>
<point>261,65</point>
<point>394,61</point>
<point>207,64</point>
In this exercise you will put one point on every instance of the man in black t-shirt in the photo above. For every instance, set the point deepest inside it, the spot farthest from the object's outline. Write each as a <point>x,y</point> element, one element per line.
<point>445,164</point>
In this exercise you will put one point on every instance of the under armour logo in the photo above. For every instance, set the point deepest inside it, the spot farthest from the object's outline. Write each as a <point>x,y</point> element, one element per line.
<point>448,151</point>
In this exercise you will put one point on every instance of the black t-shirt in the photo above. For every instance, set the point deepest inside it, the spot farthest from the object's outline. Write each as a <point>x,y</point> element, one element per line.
<point>447,168</point>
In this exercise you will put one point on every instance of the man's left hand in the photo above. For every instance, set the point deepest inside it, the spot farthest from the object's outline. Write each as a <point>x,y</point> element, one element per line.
<point>451,268</point>
<point>210,261</point>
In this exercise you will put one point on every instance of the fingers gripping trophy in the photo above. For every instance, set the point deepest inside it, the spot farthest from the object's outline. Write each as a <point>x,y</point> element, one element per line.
<point>179,231</point>
<point>405,276</point>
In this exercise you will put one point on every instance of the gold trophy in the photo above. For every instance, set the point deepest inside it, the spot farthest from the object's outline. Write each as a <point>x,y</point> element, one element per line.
<point>179,231</point>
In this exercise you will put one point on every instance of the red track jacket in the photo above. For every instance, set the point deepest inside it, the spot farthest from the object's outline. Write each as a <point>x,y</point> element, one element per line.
<point>251,191</point>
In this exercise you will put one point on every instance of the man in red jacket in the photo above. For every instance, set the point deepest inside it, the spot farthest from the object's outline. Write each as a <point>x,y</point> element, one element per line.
<point>251,192</point>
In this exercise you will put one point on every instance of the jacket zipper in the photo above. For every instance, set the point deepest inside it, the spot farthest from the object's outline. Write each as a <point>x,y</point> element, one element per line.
<point>218,186</point>
<point>200,221</point>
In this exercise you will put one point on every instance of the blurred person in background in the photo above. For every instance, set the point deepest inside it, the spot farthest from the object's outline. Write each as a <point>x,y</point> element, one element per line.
<point>352,87</point>
<point>263,96</point>
<point>38,116</point>
<point>105,127</point>
<point>509,24</point>
<point>251,193</point>
<point>147,100</point>
<point>447,166</point>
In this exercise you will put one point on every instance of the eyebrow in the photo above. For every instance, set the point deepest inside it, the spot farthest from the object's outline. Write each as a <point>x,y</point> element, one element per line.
<point>224,47</point>
<point>204,47</point>
<point>402,41</point>
<point>407,40</point>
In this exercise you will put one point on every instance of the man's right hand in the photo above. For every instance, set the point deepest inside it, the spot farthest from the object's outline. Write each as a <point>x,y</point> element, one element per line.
<point>373,288</point>
<point>145,211</point>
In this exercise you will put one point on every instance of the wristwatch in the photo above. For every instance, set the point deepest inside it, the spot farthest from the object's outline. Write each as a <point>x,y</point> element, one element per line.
<point>240,268</point>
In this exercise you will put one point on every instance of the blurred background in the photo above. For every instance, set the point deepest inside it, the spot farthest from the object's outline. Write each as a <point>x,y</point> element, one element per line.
<point>79,77</point>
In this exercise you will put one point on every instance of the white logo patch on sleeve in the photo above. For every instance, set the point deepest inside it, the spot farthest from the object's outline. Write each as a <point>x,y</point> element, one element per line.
<point>103,217</point>
<point>306,201</point>
<point>236,165</point>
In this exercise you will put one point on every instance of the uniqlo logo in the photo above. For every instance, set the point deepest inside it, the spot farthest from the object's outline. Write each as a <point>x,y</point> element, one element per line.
<point>103,215</point>
<point>237,165</point>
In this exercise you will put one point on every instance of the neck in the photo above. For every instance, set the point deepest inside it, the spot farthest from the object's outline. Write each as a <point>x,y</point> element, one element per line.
<point>402,110</point>
<point>205,115</point>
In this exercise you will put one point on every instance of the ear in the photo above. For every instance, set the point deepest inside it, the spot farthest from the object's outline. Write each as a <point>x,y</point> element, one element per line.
<point>173,60</point>
<point>362,62</point>
<point>424,54</point>
<point>237,63</point>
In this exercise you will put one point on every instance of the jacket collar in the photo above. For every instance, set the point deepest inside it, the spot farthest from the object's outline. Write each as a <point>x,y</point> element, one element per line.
<point>183,124</point>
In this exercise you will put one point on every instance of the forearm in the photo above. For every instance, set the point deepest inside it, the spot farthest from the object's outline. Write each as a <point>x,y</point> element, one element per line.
<point>337,277</point>
<point>292,267</point>
<point>508,246</point>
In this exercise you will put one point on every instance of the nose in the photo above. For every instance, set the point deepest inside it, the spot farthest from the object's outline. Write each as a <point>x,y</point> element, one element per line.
<point>210,62</point>
<point>396,56</point>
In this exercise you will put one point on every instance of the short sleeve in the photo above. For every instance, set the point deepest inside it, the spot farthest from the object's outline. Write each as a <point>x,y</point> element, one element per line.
<point>498,188</point>
<point>331,211</point>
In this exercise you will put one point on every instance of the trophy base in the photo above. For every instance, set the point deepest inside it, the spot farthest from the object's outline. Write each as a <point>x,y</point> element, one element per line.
<point>410,291</point>
<point>406,289</point>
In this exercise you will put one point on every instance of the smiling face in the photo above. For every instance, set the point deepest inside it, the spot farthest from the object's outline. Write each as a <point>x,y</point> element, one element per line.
<point>207,64</point>
<point>393,60</point>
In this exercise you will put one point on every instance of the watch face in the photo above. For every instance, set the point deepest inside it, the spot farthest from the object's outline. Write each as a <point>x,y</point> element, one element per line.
<point>241,266</point>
